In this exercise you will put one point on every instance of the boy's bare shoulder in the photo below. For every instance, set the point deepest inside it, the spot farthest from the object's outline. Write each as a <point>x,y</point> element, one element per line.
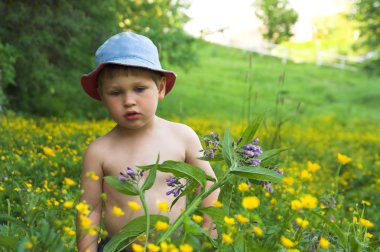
<point>178,129</point>
<point>99,145</point>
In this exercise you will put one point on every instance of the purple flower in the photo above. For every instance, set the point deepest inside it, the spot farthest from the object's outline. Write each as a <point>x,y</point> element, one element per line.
<point>122,177</point>
<point>130,171</point>
<point>255,162</point>
<point>255,140</point>
<point>175,192</point>
<point>211,145</point>
<point>280,172</point>
<point>171,181</point>
<point>269,187</point>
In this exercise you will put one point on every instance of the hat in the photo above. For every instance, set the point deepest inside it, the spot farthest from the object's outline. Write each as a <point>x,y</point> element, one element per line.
<point>127,49</point>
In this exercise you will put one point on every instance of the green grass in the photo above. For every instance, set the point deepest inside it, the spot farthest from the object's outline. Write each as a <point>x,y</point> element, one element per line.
<point>218,87</point>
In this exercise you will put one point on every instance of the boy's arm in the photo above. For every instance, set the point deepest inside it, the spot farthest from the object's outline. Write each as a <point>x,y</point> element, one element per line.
<point>91,185</point>
<point>192,157</point>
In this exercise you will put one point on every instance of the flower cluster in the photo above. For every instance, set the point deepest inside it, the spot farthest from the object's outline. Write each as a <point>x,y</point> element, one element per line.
<point>211,145</point>
<point>177,185</point>
<point>131,175</point>
<point>251,152</point>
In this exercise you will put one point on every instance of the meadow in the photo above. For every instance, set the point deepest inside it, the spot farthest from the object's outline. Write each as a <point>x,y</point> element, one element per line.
<point>327,120</point>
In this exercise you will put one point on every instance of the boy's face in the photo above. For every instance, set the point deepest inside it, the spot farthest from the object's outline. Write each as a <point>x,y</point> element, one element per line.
<point>132,100</point>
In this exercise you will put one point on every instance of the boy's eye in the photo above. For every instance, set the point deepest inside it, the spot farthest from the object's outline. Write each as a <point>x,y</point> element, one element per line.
<point>140,89</point>
<point>115,93</point>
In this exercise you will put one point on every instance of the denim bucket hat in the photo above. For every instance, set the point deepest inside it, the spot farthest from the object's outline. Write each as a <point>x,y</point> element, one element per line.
<point>127,49</point>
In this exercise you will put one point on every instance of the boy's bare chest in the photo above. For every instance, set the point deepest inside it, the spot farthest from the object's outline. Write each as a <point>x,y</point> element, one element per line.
<point>121,156</point>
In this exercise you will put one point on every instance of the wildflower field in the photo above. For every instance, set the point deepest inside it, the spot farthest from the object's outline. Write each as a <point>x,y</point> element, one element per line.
<point>326,197</point>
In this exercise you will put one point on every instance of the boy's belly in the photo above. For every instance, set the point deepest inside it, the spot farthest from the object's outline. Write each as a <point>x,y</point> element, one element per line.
<point>114,223</point>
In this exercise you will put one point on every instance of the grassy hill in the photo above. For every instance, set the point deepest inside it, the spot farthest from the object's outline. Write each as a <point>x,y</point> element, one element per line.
<point>230,83</point>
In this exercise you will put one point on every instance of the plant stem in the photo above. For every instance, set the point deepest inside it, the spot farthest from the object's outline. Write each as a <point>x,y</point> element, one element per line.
<point>337,181</point>
<point>191,208</point>
<point>146,211</point>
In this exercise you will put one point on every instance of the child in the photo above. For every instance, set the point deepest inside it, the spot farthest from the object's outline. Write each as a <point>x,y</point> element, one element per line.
<point>129,81</point>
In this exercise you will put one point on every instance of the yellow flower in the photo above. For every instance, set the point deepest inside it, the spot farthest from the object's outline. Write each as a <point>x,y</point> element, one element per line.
<point>287,243</point>
<point>153,248</point>
<point>68,204</point>
<point>92,231</point>
<point>308,201</point>
<point>161,225</point>
<point>137,247</point>
<point>343,159</point>
<point>134,205</point>
<point>258,231</point>
<point>292,250</point>
<point>288,181</point>
<point>324,243</point>
<point>217,203</point>
<point>85,221</point>
<point>48,151</point>
<point>368,235</point>
<point>364,202</point>
<point>243,187</point>
<point>92,175</point>
<point>28,245</point>
<point>301,222</point>
<point>163,206</point>
<point>185,248</point>
<point>306,175</point>
<point>69,182</point>
<point>366,223</point>
<point>229,221</point>
<point>227,239</point>
<point>313,167</point>
<point>197,218</point>
<point>141,238</point>
<point>1,189</point>
<point>242,219</point>
<point>250,202</point>
<point>68,231</point>
<point>117,211</point>
<point>164,246</point>
<point>83,208</point>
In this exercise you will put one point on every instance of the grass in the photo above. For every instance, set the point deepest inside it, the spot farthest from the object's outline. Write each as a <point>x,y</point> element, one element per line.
<point>219,86</point>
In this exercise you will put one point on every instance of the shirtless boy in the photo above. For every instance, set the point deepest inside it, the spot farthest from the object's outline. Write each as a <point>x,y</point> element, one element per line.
<point>129,81</point>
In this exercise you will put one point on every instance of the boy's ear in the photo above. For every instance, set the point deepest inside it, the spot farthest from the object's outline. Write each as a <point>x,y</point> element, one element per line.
<point>162,89</point>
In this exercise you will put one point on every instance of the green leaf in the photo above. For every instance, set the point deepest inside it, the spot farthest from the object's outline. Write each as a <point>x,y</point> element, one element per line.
<point>225,196</point>
<point>180,169</point>
<point>8,243</point>
<point>191,226</point>
<point>250,131</point>
<point>217,157</point>
<point>227,149</point>
<point>334,227</point>
<point>258,173</point>
<point>121,186</point>
<point>151,177</point>
<point>270,154</point>
<point>189,189</point>
<point>134,228</point>
<point>216,214</point>
<point>5,217</point>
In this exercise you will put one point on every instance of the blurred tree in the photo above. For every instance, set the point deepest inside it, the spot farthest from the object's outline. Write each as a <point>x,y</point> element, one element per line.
<point>54,40</point>
<point>8,57</point>
<point>162,21</point>
<point>367,12</point>
<point>277,17</point>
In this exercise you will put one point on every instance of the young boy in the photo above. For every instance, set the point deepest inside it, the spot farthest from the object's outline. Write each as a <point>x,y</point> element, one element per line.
<point>129,81</point>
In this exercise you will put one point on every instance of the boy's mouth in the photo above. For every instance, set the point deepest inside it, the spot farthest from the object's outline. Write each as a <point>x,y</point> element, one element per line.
<point>132,115</point>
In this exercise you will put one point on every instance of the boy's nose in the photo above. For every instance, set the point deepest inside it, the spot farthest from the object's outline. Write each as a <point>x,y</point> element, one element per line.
<point>129,99</point>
